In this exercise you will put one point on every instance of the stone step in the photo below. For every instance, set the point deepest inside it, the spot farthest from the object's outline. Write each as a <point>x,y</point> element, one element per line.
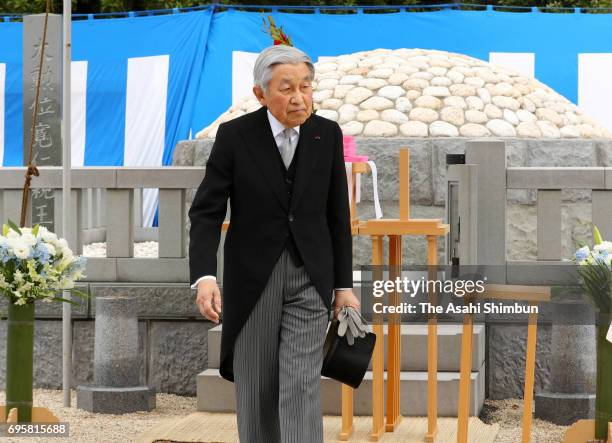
<point>217,395</point>
<point>414,347</point>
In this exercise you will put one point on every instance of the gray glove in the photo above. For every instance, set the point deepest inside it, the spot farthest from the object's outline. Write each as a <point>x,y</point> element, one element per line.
<point>351,324</point>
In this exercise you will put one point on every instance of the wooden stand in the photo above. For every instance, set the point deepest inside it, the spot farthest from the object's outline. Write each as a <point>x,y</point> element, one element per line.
<point>395,229</point>
<point>39,415</point>
<point>531,294</point>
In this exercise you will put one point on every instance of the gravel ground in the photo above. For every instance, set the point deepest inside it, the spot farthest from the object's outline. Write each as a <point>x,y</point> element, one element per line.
<point>86,427</point>
<point>146,249</point>
<point>509,414</point>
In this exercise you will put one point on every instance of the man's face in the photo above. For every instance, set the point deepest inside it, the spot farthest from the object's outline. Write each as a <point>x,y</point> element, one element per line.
<point>289,96</point>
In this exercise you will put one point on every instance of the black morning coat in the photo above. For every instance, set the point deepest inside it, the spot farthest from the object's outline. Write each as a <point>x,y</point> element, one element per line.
<point>243,166</point>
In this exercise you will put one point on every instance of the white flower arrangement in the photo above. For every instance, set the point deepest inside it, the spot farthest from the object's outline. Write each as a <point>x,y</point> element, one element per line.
<point>595,270</point>
<point>36,264</point>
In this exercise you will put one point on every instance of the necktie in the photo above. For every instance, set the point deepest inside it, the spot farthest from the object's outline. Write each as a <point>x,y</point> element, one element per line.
<point>287,147</point>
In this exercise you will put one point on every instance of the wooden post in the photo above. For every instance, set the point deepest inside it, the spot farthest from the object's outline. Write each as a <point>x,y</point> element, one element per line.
<point>463,414</point>
<point>432,345</point>
<point>378,356</point>
<point>347,413</point>
<point>394,338</point>
<point>404,184</point>
<point>532,334</point>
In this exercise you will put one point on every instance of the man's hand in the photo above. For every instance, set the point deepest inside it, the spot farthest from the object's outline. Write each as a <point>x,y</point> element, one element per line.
<point>209,300</point>
<point>345,298</point>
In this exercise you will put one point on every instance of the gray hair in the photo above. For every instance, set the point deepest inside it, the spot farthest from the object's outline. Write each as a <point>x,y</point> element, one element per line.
<point>275,55</point>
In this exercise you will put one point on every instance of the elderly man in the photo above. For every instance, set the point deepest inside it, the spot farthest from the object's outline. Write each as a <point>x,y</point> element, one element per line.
<point>287,250</point>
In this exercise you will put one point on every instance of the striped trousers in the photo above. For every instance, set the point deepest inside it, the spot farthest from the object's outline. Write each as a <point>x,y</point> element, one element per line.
<point>278,356</point>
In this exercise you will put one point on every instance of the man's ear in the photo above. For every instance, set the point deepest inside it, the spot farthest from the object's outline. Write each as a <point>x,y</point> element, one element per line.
<point>259,95</point>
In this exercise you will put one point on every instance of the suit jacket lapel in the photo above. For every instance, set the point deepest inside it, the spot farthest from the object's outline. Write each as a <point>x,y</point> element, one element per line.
<point>260,141</point>
<point>309,145</point>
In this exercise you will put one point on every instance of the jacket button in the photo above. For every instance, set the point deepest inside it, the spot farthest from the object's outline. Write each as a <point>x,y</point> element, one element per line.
<point>290,217</point>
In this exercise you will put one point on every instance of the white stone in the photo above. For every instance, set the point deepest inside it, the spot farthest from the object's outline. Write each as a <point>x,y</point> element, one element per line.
<point>505,102</point>
<point>474,103</point>
<point>528,105</point>
<point>319,96</point>
<point>549,130</point>
<point>357,95</point>
<point>415,83</point>
<point>328,113</point>
<point>380,73</point>
<point>326,67</point>
<point>463,90</point>
<point>413,94</point>
<point>350,79</point>
<point>443,129</point>
<point>528,129</point>
<point>549,115</point>
<point>328,83</point>
<point>501,128</point>
<point>586,130</point>
<point>457,102</point>
<point>424,115</point>
<point>372,83</point>
<point>352,128</point>
<point>403,104</point>
<point>455,76</point>
<point>378,128</point>
<point>441,81</point>
<point>440,63</point>
<point>393,116</point>
<point>570,131</point>
<point>340,91</point>
<point>484,95</point>
<point>438,71</point>
<point>407,69</point>
<point>348,109</point>
<point>332,74</point>
<point>504,88</point>
<point>422,75</point>
<point>378,103</point>
<point>332,103</point>
<point>397,78</point>
<point>487,75</point>
<point>474,130</point>
<point>391,92</point>
<point>437,91</point>
<point>367,115</point>
<point>477,82</point>
<point>452,115</point>
<point>347,65</point>
<point>427,101</point>
<point>493,111</point>
<point>570,118</point>
<point>525,116</point>
<point>414,129</point>
<point>370,62</point>
<point>474,116</point>
<point>510,117</point>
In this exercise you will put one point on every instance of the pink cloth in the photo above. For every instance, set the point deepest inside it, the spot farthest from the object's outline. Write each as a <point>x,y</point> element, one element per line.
<point>350,150</point>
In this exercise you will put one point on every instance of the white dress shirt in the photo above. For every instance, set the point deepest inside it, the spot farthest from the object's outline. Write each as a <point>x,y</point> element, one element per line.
<point>277,131</point>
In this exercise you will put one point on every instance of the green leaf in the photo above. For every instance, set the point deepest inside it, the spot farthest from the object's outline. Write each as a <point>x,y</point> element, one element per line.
<point>5,229</point>
<point>35,230</point>
<point>14,227</point>
<point>60,299</point>
<point>596,236</point>
<point>82,295</point>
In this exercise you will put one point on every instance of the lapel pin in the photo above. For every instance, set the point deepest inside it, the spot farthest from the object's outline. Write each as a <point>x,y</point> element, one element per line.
<point>317,137</point>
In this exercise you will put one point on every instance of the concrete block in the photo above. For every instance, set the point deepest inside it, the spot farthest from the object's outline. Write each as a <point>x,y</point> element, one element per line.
<point>549,224</point>
<point>563,152</point>
<point>414,347</point>
<point>105,400</point>
<point>155,300</point>
<point>564,409</point>
<point>555,178</point>
<point>441,147</point>
<point>153,270</point>
<point>178,352</point>
<point>94,177</point>
<point>160,177</point>
<point>558,273</point>
<point>101,269</point>
<point>506,359</point>
<point>83,352</point>
<point>184,153</point>
<point>217,395</point>
<point>171,223</point>
<point>120,223</point>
